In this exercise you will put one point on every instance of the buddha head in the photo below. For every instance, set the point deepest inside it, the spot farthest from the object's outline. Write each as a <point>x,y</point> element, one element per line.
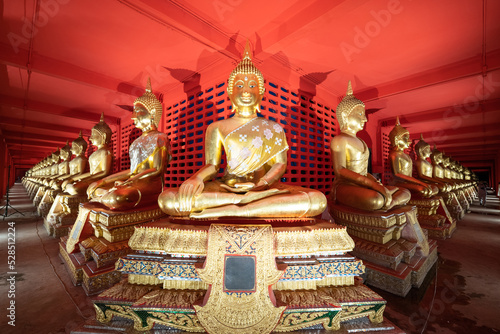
<point>101,133</point>
<point>446,161</point>
<point>422,148</point>
<point>65,151</point>
<point>351,113</point>
<point>436,156</point>
<point>246,86</point>
<point>54,158</point>
<point>399,137</point>
<point>147,110</point>
<point>79,145</point>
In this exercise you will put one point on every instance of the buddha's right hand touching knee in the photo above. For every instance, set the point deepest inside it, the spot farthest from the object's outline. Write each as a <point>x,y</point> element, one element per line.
<point>188,190</point>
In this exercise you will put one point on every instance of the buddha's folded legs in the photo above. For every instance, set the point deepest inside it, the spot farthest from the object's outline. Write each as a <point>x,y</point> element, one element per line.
<point>279,204</point>
<point>367,199</point>
<point>418,189</point>
<point>78,188</point>
<point>282,201</point>
<point>170,204</point>
<point>127,197</point>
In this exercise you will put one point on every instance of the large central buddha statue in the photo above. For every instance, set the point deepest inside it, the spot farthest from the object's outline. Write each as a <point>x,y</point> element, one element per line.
<point>402,165</point>
<point>353,185</point>
<point>149,156</point>
<point>256,160</point>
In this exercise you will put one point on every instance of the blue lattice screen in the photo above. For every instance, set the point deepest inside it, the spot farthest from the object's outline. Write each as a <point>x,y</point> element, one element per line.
<point>309,127</point>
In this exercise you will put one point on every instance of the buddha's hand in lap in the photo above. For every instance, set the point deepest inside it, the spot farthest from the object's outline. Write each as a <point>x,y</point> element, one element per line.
<point>388,196</point>
<point>239,187</point>
<point>93,186</point>
<point>188,190</point>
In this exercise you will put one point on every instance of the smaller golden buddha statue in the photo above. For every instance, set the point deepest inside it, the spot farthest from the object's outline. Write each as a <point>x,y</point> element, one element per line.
<point>448,172</point>
<point>100,162</point>
<point>63,168</point>
<point>402,165</point>
<point>425,168</point>
<point>51,172</point>
<point>438,171</point>
<point>256,153</point>
<point>60,208</point>
<point>78,164</point>
<point>149,157</point>
<point>353,185</point>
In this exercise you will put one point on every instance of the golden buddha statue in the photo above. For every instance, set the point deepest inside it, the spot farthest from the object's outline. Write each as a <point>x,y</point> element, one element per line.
<point>402,165</point>
<point>441,173</point>
<point>78,164</point>
<point>256,153</point>
<point>100,162</point>
<point>54,182</point>
<point>353,185</point>
<point>425,168</point>
<point>63,167</point>
<point>438,171</point>
<point>149,157</point>
<point>59,209</point>
<point>51,172</point>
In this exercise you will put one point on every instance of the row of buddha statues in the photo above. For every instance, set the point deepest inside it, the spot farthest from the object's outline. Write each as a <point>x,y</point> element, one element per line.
<point>247,179</point>
<point>380,223</point>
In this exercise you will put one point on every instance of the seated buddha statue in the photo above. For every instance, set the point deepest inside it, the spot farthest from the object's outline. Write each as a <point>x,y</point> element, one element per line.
<point>256,160</point>
<point>353,185</point>
<point>78,164</point>
<point>100,162</point>
<point>425,168</point>
<point>438,171</point>
<point>53,170</point>
<point>63,167</point>
<point>149,156</point>
<point>448,172</point>
<point>402,166</point>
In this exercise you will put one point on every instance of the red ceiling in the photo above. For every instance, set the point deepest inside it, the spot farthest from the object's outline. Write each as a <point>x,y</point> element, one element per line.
<point>436,64</point>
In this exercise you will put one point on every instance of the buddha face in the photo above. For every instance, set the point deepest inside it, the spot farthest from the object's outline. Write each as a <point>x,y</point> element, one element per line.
<point>96,138</point>
<point>64,154</point>
<point>141,117</point>
<point>245,95</point>
<point>356,119</point>
<point>403,141</point>
<point>437,158</point>
<point>425,152</point>
<point>76,149</point>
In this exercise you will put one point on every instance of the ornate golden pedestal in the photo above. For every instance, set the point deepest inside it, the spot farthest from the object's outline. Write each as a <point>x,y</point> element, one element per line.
<point>240,276</point>
<point>433,216</point>
<point>63,214</point>
<point>47,201</point>
<point>462,198</point>
<point>395,251</point>
<point>454,207</point>
<point>90,259</point>
<point>40,191</point>
<point>32,188</point>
